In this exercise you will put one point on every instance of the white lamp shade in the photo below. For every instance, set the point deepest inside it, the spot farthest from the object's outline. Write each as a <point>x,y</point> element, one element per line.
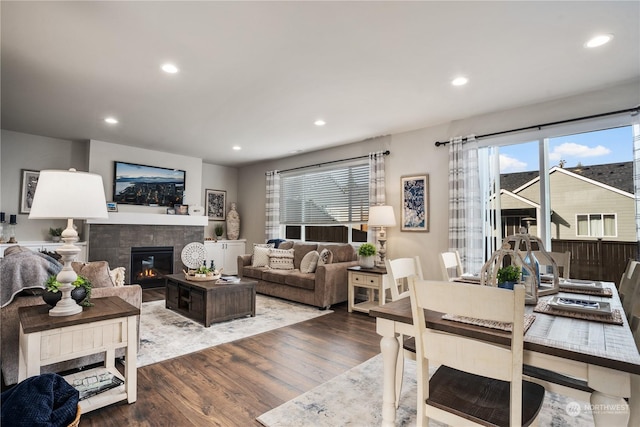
<point>68,194</point>
<point>381,216</point>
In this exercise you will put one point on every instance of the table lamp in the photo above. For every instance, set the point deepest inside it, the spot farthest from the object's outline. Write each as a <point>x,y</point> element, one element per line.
<point>381,216</point>
<point>69,195</point>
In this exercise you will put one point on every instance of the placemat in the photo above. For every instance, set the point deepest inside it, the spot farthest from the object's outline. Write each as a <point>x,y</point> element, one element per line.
<point>614,318</point>
<point>601,292</point>
<point>503,326</point>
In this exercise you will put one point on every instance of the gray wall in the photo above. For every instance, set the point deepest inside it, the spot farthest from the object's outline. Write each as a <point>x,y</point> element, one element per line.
<point>414,152</point>
<point>23,151</point>
<point>411,152</point>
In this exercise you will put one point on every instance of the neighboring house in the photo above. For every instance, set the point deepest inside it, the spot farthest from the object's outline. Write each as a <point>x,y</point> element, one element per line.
<point>587,202</point>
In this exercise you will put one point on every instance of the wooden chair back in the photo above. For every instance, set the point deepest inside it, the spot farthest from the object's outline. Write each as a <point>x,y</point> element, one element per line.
<point>630,291</point>
<point>562,259</point>
<point>451,265</point>
<point>626,285</point>
<point>467,362</point>
<point>398,272</point>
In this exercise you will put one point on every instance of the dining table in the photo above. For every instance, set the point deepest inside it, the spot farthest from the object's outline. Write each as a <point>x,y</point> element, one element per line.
<point>601,355</point>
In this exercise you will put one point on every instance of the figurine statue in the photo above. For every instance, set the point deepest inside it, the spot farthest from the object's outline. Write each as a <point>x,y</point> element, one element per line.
<point>233,223</point>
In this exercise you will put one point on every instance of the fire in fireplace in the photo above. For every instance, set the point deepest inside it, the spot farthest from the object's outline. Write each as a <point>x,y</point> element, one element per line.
<point>150,264</point>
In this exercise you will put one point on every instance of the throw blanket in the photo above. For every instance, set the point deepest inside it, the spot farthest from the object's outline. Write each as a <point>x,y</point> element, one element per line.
<point>45,400</point>
<point>24,270</point>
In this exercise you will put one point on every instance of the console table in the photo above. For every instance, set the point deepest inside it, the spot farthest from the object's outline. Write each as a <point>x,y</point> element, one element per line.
<point>108,325</point>
<point>208,301</point>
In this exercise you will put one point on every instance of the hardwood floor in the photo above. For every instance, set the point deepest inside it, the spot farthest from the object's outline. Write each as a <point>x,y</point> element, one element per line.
<point>231,384</point>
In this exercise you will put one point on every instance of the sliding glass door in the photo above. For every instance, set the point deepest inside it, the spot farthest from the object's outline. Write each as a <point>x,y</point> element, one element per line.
<point>573,190</point>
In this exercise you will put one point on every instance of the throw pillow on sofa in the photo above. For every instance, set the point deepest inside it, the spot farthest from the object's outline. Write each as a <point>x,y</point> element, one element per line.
<point>260,256</point>
<point>97,272</point>
<point>326,257</point>
<point>281,259</point>
<point>309,262</point>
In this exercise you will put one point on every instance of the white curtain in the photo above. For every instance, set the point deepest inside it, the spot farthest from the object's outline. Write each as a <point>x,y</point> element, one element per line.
<point>376,187</point>
<point>272,206</point>
<point>465,204</point>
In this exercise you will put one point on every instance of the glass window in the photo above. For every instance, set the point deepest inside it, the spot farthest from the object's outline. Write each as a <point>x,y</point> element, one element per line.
<point>597,225</point>
<point>327,205</point>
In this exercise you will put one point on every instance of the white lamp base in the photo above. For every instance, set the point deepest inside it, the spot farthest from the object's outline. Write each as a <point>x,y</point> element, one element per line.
<point>67,306</point>
<point>382,252</point>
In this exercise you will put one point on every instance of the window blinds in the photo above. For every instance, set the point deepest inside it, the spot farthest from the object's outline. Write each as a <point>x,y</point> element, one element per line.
<point>335,195</point>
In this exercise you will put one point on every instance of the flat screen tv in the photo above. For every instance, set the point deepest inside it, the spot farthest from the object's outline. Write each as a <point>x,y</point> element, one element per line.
<point>147,185</point>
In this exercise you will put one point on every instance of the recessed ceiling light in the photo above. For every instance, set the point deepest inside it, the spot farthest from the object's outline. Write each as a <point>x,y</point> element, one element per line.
<point>111,120</point>
<point>460,81</point>
<point>237,147</point>
<point>599,40</point>
<point>319,122</point>
<point>169,68</point>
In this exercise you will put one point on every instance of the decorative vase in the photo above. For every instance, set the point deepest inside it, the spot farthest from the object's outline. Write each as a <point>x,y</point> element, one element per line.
<point>233,223</point>
<point>366,261</point>
<point>55,239</point>
<point>77,294</point>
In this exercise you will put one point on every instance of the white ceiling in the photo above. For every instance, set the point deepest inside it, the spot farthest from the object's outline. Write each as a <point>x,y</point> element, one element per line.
<point>258,74</point>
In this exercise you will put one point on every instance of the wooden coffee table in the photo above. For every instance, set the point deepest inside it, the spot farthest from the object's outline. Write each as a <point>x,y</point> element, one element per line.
<point>208,301</point>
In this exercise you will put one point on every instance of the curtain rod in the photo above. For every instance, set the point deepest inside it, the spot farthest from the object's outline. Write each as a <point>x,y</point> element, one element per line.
<point>386,153</point>
<point>540,126</point>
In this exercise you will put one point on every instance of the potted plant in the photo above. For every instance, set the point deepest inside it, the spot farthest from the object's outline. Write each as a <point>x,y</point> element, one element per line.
<point>508,276</point>
<point>81,293</point>
<point>55,233</point>
<point>366,255</point>
<point>219,230</point>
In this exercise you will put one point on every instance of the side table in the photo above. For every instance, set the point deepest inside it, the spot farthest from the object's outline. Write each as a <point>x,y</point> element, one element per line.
<point>108,325</point>
<point>373,279</point>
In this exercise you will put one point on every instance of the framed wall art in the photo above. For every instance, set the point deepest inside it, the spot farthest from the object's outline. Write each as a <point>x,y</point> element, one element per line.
<point>28,185</point>
<point>216,204</point>
<point>415,203</point>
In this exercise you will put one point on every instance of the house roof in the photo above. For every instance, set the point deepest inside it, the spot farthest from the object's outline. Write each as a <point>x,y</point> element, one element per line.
<point>616,175</point>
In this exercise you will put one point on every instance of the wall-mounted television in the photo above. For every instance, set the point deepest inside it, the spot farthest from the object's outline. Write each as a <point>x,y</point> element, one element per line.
<point>135,184</point>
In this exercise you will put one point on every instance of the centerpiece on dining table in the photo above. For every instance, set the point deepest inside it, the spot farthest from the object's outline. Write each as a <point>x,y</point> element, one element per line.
<point>518,251</point>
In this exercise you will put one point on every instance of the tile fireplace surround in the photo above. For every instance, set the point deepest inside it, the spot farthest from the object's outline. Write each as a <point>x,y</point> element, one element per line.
<point>113,242</point>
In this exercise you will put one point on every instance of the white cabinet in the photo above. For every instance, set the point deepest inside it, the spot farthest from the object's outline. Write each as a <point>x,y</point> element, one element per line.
<point>46,246</point>
<point>224,254</point>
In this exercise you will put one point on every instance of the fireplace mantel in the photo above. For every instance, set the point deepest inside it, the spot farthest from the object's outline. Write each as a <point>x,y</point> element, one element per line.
<point>121,218</point>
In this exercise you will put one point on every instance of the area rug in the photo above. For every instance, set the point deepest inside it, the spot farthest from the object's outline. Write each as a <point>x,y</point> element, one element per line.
<point>165,334</point>
<point>355,399</point>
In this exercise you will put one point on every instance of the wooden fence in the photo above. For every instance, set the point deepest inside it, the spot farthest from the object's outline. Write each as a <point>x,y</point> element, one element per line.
<point>597,259</point>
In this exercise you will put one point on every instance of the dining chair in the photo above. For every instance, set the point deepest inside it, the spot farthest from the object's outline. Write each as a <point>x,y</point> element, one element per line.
<point>562,259</point>
<point>451,265</point>
<point>631,285</point>
<point>626,285</point>
<point>399,271</point>
<point>478,382</point>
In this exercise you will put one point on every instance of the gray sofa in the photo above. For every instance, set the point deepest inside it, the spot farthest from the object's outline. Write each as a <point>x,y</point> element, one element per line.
<point>322,288</point>
<point>97,272</point>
